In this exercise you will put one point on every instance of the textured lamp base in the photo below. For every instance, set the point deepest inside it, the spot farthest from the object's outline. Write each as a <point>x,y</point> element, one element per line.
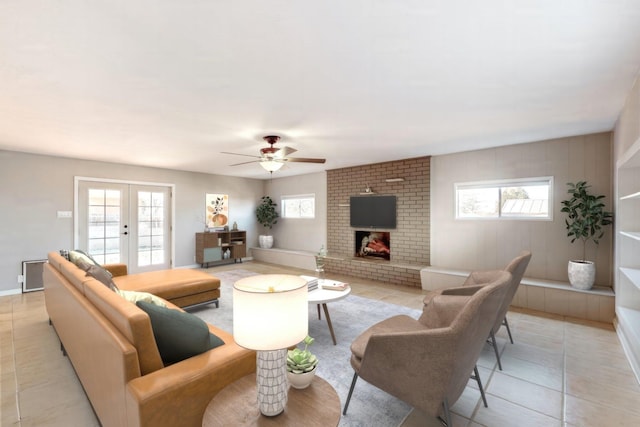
<point>271,378</point>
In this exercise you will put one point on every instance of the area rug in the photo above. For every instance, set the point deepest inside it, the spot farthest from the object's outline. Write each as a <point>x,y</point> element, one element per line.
<point>369,405</point>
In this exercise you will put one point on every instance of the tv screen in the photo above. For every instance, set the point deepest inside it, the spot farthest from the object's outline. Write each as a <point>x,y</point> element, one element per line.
<point>373,211</point>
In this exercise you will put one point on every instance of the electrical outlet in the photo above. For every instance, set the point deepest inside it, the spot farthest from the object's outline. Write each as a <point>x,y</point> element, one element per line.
<point>20,278</point>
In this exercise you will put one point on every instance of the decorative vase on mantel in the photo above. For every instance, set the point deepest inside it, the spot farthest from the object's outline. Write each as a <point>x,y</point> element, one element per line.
<point>265,241</point>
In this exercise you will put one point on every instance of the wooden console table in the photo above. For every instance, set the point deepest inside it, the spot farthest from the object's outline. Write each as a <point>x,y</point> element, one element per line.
<point>317,405</point>
<point>212,246</point>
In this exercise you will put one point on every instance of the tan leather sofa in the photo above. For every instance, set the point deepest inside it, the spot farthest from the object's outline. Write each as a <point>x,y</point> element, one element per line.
<point>111,345</point>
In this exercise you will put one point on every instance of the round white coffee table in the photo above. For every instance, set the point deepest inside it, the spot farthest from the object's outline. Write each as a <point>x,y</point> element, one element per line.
<point>321,297</point>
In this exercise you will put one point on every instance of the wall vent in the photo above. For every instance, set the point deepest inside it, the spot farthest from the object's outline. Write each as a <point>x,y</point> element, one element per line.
<point>32,275</point>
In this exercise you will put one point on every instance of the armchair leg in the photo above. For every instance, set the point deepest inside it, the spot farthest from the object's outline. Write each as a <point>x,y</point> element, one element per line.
<point>506,324</point>
<point>446,414</point>
<point>353,385</point>
<point>495,349</point>
<point>476,376</point>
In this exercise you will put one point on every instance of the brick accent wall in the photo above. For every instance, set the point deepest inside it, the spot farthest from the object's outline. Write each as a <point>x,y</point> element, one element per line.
<point>410,241</point>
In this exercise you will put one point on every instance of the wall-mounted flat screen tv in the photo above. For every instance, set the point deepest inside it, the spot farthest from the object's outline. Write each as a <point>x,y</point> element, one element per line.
<point>373,211</point>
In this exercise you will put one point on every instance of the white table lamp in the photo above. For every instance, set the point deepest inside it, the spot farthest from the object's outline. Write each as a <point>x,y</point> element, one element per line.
<point>270,314</point>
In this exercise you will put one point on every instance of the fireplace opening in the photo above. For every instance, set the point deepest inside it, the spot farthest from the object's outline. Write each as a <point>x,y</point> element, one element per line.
<point>373,244</point>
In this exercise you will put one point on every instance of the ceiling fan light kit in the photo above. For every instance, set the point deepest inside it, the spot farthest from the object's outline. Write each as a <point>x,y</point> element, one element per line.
<point>271,165</point>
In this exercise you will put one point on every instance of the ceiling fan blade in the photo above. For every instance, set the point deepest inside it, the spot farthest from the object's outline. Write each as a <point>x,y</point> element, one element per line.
<point>303,160</point>
<point>285,151</point>
<point>244,163</point>
<point>238,154</point>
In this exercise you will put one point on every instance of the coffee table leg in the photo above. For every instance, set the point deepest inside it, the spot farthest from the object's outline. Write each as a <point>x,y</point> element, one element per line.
<point>319,317</point>
<point>326,314</point>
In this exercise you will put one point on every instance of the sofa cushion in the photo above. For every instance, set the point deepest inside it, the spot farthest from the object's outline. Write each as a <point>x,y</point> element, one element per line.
<point>135,296</point>
<point>179,335</point>
<point>179,286</point>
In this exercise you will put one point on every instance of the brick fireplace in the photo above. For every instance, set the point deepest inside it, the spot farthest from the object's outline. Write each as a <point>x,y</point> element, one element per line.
<point>408,243</point>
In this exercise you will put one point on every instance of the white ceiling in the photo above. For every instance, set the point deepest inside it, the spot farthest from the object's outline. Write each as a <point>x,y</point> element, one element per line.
<point>171,84</point>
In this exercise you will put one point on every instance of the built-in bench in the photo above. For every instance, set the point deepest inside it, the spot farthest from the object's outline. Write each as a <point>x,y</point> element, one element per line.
<point>549,296</point>
<point>289,257</point>
<point>379,270</point>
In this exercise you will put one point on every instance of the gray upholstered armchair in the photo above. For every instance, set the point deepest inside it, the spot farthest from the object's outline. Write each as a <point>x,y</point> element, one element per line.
<point>427,362</point>
<point>516,267</point>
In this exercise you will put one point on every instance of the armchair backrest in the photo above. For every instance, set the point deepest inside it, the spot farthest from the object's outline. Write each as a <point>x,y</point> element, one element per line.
<point>516,267</point>
<point>474,324</point>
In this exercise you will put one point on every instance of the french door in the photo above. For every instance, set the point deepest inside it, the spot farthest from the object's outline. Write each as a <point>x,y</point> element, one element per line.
<point>125,222</point>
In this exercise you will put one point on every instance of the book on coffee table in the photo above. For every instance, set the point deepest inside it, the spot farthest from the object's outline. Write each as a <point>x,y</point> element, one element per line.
<point>335,286</point>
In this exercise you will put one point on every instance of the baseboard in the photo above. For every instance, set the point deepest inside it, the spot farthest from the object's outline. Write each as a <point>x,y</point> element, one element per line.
<point>8,292</point>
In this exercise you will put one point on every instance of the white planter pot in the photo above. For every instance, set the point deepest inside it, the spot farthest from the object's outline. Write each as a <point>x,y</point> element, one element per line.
<point>301,381</point>
<point>266,242</point>
<point>582,274</point>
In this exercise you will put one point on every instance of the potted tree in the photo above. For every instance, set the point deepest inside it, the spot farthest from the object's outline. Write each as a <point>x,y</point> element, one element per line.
<point>267,216</point>
<point>301,365</point>
<point>585,220</point>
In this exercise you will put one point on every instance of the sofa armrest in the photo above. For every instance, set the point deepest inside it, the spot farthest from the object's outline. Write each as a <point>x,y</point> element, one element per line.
<point>116,269</point>
<point>179,394</point>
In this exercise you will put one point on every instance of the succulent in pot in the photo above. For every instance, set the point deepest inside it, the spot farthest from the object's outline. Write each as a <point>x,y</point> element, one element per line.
<point>301,365</point>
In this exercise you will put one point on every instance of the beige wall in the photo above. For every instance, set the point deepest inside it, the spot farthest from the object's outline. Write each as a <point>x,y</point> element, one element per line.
<point>627,129</point>
<point>475,244</point>
<point>33,188</point>
<point>299,234</point>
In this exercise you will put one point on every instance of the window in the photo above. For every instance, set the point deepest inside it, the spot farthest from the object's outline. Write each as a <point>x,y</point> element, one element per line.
<point>527,198</point>
<point>301,206</point>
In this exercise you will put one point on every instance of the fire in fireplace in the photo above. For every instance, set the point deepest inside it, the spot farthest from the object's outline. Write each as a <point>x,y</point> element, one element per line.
<point>373,244</point>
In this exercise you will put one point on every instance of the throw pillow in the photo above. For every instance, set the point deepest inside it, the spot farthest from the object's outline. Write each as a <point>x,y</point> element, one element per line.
<point>135,296</point>
<point>179,335</point>
<point>100,274</point>
<point>77,254</point>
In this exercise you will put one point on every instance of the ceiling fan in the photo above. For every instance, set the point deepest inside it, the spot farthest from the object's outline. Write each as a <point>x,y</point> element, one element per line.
<point>272,158</point>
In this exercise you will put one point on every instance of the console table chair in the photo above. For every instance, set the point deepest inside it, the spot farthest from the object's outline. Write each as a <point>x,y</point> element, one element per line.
<point>427,362</point>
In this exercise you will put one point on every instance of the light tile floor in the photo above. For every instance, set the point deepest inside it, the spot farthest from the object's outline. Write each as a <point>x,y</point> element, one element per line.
<point>560,372</point>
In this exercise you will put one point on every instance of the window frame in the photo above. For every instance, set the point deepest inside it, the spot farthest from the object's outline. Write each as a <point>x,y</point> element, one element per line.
<point>300,197</point>
<point>500,184</point>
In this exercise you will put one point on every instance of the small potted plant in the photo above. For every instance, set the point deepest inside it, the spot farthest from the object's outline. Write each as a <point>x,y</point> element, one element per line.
<point>267,217</point>
<point>301,365</point>
<point>585,220</point>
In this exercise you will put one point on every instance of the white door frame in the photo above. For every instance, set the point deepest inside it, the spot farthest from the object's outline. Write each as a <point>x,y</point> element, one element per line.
<point>76,225</point>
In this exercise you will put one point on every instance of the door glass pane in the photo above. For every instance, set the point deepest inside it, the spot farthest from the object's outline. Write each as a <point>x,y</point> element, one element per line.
<point>151,228</point>
<point>104,225</point>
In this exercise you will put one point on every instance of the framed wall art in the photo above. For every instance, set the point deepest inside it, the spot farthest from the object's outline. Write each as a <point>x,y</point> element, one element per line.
<point>217,210</point>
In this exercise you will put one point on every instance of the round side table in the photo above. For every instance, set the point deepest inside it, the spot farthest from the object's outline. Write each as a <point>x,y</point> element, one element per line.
<point>317,405</point>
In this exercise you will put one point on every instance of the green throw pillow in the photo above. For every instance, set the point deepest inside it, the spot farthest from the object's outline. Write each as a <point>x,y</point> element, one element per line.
<point>179,335</point>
